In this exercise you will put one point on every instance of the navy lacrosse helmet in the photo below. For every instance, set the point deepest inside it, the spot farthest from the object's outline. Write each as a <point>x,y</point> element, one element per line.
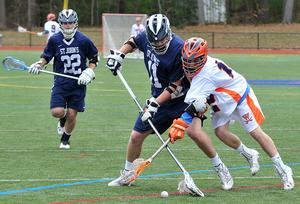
<point>68,16</point>
<point>159,33</point>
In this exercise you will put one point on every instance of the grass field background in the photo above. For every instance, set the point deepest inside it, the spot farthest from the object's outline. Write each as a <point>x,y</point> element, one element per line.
<point>34,170</point>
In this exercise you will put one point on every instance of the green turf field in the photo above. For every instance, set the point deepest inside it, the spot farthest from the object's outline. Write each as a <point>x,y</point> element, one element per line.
<point>34,170</point>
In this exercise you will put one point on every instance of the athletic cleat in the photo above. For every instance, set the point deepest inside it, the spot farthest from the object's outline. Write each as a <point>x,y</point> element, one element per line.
<point>224,175</point>
<point>286,175</point>
<point>60,126</point>
<point>64,145</point>
<point>252,159</point>
<point>126,179</point>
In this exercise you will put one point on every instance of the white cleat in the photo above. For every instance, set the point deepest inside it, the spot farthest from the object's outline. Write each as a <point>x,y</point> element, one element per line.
<point>125,179</point>
<point>64,145</point>
<point>286,175</point>
<point>60,130</point>
<point>253,161</point>
<point>224,175</point>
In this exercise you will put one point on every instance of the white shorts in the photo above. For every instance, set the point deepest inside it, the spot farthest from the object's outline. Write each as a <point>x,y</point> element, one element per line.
<point>248,113</point>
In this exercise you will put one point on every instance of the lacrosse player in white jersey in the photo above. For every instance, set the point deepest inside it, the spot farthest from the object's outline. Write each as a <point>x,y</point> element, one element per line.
<point>50,27</point>
<point>215,84</point>
<point>138,27</point>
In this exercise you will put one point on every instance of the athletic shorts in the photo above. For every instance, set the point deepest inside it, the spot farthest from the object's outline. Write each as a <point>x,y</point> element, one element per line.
<point>248,113</point>
<point>164,117</point>
<point>68,98</point>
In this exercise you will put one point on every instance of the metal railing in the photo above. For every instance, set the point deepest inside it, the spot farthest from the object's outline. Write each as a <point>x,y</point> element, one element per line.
<point>223,40</point>
<point>249,40</point>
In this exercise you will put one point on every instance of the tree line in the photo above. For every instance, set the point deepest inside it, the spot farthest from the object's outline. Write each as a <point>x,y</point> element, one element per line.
<point>32,13</point>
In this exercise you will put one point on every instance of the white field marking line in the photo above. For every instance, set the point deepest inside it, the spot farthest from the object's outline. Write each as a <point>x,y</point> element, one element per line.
<point>120,150</point>
<point>216,177</point>
<point>26,77</point>
<point>121,90</point>
<point>126,129</point>
<point>27,87</point>
<point>152,178</point>
<point>48,88</point>
<point>15,115</point>
<point>79,130</point>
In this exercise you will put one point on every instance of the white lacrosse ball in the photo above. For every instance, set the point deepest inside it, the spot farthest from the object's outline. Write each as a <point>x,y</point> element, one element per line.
<point>164,194</point>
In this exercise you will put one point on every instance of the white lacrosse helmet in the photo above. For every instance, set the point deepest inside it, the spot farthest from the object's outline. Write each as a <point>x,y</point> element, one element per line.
<point>68,16</point>
<point>159,33</point>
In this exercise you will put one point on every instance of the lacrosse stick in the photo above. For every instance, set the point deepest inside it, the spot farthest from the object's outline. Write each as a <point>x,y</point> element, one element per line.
<point>188,182</point>
<point>24,30</point>
<point>143,165</point>
<point>13,64</point>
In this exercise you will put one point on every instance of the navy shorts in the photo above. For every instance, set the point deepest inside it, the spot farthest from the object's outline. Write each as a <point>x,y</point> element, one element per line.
<point>68,98</point>
<point>164,116</point>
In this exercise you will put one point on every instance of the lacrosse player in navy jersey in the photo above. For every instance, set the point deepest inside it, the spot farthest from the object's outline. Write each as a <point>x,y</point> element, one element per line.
<point>71,50</point>
<point>162,57</point>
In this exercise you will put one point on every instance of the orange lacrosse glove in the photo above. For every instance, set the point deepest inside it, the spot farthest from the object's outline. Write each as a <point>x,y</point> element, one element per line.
<point>177,130</point>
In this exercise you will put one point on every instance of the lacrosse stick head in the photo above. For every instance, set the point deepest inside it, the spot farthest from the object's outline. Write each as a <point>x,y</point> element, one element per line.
<point>10,64</point>
<point>132,175</point>
<point>140,165</point>
<point>188,186</point>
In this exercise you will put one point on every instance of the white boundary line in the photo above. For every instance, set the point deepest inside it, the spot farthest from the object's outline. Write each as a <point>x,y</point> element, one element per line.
<point>127,129</point>
<point>120,150</point>
<point>152,178</point>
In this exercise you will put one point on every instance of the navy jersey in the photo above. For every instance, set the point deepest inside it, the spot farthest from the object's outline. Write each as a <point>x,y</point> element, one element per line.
<point>70,57</point>
<point>162,69</point>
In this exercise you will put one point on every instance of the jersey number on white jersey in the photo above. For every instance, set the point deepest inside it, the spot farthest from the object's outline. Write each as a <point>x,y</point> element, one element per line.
<point>53,29</point>
<point>225,68</point>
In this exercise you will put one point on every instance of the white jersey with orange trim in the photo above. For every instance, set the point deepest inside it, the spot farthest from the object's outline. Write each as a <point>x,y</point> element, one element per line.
<point>229,94</point>
<point>52,27</point>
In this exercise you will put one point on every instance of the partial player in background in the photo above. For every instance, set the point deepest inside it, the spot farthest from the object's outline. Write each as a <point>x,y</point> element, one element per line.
<point>50,27</point>
<point>162,54</point>
<point>76,55</point>
<point>138,27</point>
<point>229,96</point>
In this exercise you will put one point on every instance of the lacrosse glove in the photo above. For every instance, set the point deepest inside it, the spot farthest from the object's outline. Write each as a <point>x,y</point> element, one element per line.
<point>177,130</point>
<point>35,68</point>
<point>114,61</point>
<point>150,109</point>
<point>86,76</point>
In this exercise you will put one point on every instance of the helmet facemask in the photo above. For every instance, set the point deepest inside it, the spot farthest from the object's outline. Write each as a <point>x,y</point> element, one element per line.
<point>68,22</point>
<point>194,56</point>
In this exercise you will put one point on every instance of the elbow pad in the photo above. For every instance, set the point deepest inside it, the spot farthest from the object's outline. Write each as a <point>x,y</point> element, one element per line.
<point>94,60</point>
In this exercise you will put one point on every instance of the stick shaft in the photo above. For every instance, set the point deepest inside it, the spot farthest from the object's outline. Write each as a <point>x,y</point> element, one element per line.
<point>150,122</point>
<point>160,149</point>
<point>58,74</point>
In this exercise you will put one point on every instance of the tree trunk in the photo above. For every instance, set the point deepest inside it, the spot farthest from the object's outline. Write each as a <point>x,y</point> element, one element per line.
<point>288,8</point>
<point>97,13</point>
<point>122,6</point>
<point>29,14</point>
<point>159,6</point>
<point>201,18</point>
<point>92,12</point>
<point>2,14</point>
